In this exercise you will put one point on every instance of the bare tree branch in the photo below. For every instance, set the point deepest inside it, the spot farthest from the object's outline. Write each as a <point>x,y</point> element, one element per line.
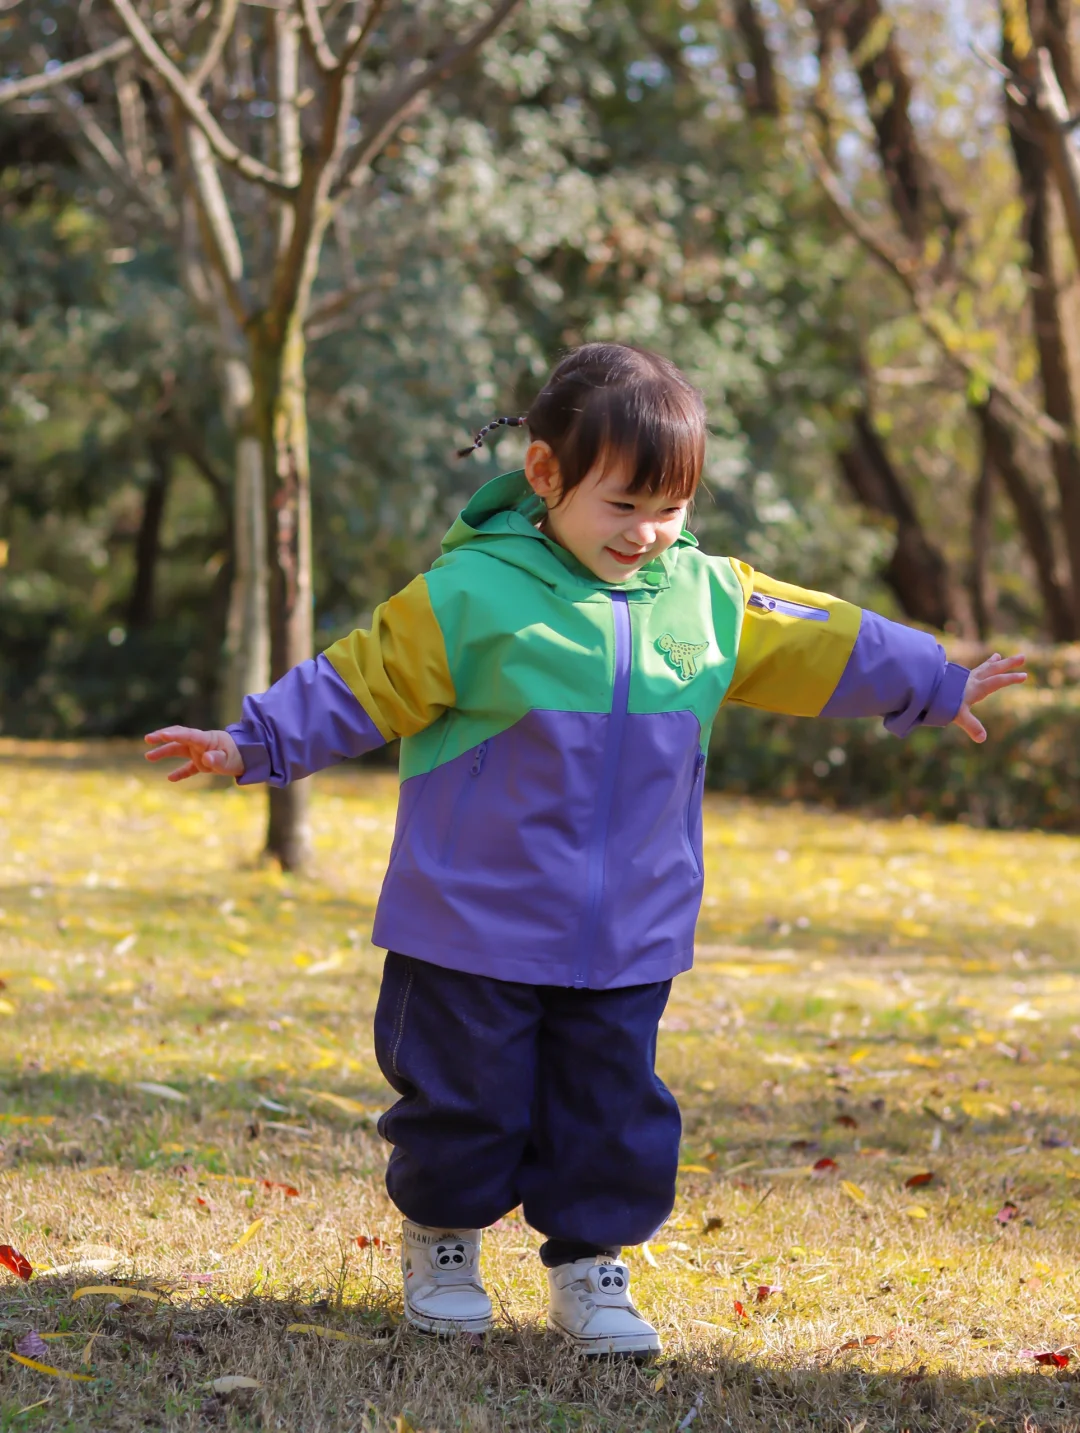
<point>359,33</point>
<point>906,267</point>
<point>315,35</point>
<point>1055,120</point>
<point>398,101</point>
<point>197,111</point>
<point>212,53</point>
<point>64,74</point>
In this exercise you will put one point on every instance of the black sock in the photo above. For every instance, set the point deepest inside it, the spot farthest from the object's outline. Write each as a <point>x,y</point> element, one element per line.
<point>556,1252</point>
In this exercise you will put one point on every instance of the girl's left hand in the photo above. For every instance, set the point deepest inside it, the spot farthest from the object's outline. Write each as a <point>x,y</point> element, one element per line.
<point>989,677</point>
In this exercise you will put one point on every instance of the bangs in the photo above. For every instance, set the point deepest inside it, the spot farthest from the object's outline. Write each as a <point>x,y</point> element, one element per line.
<point>657,439</point>
<point>616,406</point>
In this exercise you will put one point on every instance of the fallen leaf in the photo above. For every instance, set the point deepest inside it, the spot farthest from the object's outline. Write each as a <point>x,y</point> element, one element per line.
<point>124,1293</point>
<point>191,1278</point>
<point>83,1266</point>
<point>916,1181</point>
<point>658,1383</point>
<point>853,1191</point>
<point>289,1190</point>
<point>89,1348</point>
<point>823,1166</point>
<point>916,1211</point>
<point>341,1102</point>
<point>764,1290</point>
<point>1007,1213</point>
<point>371,1241</point>
<point>233,1383</point>
<point>867,1341</point>
<point>694,1169</point>
<point>248,1234</point>
<point>1049,1359</point>
<point>741,1313</point>
<point>207,1204</point>
<point>848,1121</point>
<point>164,1092</point>
<point>323,1332</point>
<point>18,1263</point>
<point>31,1345</point>
<point>712,1224</point>
<point>649,1257</point>
<point>48,1368</point>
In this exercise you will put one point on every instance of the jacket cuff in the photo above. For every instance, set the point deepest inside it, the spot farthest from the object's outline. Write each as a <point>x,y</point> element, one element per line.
<point>253,754</point>
<point>947,699</point>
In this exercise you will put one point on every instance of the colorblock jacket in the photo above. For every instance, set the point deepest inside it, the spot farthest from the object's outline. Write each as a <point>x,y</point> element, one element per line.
<point>554,731</point>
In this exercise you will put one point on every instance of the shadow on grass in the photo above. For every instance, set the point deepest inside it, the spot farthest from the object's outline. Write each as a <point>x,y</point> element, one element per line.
<point>154,1365</point>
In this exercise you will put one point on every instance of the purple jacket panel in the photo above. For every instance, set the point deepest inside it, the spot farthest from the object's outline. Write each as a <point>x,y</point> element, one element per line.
<point>307,720</point>
<point>489,870</point>
<point>899,673</point>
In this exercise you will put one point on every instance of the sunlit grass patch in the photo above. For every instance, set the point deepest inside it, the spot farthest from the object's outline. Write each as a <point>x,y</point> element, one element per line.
<point>187,1038</point>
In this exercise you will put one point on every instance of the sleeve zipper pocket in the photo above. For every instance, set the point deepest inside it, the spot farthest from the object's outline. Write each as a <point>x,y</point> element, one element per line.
<point>788,609</point>
<point>691,806</point>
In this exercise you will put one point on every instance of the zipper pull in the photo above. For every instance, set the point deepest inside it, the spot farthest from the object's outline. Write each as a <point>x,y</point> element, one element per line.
<point>788,609</point>
<point>478,759</point>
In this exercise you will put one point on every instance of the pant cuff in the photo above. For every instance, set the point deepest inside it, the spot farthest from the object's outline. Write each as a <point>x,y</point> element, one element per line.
<point>556,1252</point>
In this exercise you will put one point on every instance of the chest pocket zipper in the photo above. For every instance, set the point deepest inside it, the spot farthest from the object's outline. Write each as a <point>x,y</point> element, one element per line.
<point>691,807</point>
<point>788,609</point>
<point>462,801</point>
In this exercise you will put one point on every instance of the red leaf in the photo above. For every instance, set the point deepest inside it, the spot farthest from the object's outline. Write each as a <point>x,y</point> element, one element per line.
<point>207,1204</point>
<point>764,1290</point>
<point>918,1180</point>
<point>848,1121</point>
<point>32,1345</point>
<point>741,1312</point>
<point>823,1165</point>
<point>1007,1213</point>
<point>18,1263</point>
<point>1048,1358</point>
<point>373,1241</point>
<point>867,1341</point>
<point>287,1189</point>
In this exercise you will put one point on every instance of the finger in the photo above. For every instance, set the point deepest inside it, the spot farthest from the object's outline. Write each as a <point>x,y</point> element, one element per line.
<point>183,772</point>
<point>161,753</point>
<point>988,685</point>
<point>190,734</point>
<point>970,724</point>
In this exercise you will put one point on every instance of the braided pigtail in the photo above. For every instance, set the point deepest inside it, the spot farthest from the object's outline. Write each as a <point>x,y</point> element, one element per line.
<point>478,441</point>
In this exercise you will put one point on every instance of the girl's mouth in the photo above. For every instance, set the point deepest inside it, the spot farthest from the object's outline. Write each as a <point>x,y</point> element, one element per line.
<point>623,558</point>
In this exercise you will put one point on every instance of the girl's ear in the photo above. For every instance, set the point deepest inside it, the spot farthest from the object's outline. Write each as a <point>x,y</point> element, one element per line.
<point>542,471</point>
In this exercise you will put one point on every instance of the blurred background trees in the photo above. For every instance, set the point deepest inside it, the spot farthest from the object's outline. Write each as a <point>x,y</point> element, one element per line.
<point>852,222</point>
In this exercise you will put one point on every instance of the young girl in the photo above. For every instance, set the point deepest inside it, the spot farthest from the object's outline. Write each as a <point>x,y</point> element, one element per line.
<point>554,679</point>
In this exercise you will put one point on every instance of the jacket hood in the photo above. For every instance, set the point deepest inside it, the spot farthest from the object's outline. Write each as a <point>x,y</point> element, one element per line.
<point>501,518</point>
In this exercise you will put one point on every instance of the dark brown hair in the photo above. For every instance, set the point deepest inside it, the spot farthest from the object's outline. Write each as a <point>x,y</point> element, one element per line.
<point>614,401</point>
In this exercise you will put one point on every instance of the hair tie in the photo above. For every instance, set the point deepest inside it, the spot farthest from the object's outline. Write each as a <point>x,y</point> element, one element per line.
<point>478,441</point>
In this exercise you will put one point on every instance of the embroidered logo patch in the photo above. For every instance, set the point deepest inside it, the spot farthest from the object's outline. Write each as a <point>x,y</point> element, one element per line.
<point>681,655</point>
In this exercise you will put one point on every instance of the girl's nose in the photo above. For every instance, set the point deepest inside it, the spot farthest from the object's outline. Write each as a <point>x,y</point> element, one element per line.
<point>642,534</point>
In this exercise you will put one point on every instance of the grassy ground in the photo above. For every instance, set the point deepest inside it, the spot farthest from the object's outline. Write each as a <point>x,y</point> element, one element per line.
<point>900,998</point>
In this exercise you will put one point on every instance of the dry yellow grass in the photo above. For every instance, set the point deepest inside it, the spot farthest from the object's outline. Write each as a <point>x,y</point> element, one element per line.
<point>901,997</point>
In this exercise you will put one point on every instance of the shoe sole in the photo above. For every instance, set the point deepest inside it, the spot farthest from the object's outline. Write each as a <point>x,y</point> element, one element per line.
<point>628,1344</point>
<point>445,1328</point>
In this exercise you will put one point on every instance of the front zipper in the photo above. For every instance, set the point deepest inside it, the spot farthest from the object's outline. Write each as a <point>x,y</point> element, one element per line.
<point>788,609</point>
<point>475,768</point>
<point>596,850</point>
<point>699,767</point>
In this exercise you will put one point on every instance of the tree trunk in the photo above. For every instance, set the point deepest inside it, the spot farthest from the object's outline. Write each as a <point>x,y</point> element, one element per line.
<point>1057,368</point>
<point>281,416</point>
<point>148,542</point>
<point>247,634</point>
<point>1002,449</point>
<point>761,95</point>
<point>918,571</point>
<point>980,583</point>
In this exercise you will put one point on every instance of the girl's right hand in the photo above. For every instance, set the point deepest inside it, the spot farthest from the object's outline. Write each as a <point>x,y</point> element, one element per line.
<point>214,752</point>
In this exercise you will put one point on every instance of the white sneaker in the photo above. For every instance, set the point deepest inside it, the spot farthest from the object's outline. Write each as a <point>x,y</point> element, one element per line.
<point>590,1305</point>
<point>440,1269</point>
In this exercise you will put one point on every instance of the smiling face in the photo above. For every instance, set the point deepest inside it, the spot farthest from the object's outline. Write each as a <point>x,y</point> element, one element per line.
<point>611,531</point>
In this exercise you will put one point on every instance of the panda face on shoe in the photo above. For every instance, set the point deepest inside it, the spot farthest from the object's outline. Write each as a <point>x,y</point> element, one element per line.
<point>450,1256</point>
<point>609,1279</point>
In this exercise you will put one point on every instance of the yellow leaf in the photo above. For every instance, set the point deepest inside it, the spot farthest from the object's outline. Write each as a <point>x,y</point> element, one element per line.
<point>6,1007</point>
<point>853,1191</point>
<point>248,1234</point>
<point>859,1055</point>
<point>924,1062</point>
<point>89,1347</point>
<point>232,1382</point>
<point>123,1292</point>
<point>915,1211</point>
<point>695,1169</point>
<point>237,947</point>
<point>48,1368</point>
<point>658,1382</point>
<point>340,1102</point>
<point>42,982</point>
<point>323,1332</point>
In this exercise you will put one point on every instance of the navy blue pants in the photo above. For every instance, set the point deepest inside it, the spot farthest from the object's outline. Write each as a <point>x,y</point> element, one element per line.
<point>537,1095</point>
